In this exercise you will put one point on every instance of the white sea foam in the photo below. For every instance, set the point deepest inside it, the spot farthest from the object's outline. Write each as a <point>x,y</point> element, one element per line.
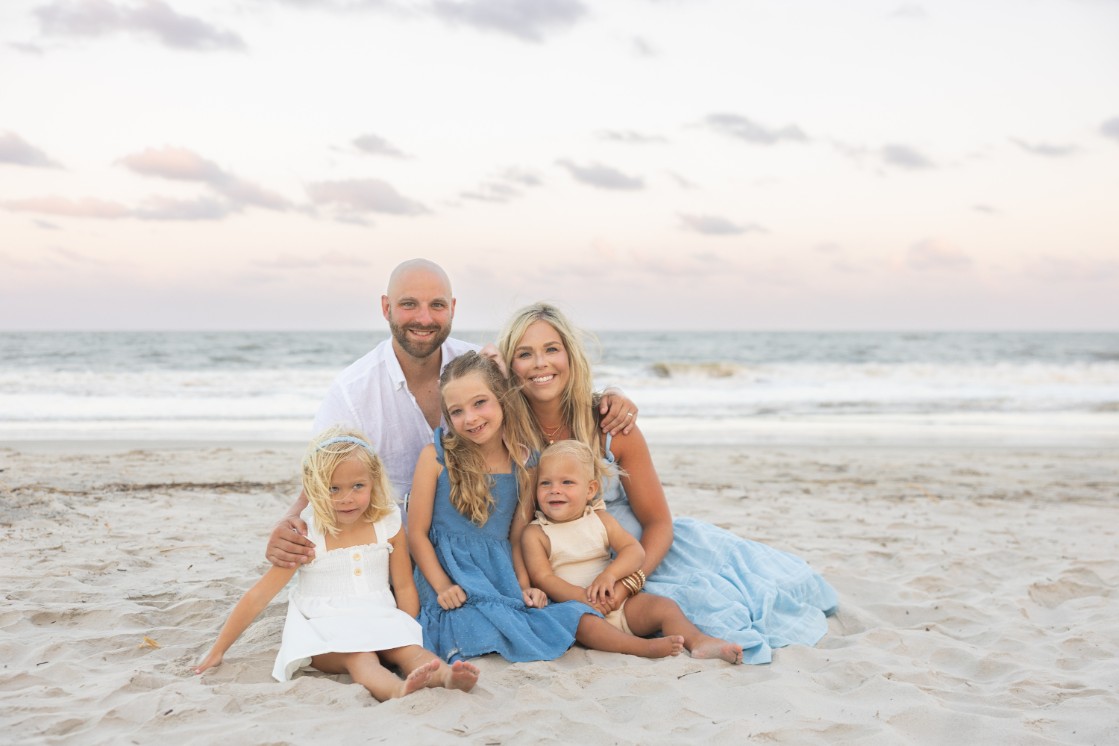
<point>240,384</point>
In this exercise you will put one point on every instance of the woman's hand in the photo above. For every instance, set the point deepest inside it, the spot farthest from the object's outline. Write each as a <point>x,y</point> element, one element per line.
<point>617,412</point>
<point>288,546</point>
<point>212,659</point>
<point>451,598</point>
<point>535,598</point>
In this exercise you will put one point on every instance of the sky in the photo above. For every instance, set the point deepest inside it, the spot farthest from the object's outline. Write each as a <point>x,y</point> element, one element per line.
<point>646,164</point>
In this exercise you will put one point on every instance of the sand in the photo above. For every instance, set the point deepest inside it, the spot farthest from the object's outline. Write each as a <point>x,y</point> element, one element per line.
<point>978,604</point>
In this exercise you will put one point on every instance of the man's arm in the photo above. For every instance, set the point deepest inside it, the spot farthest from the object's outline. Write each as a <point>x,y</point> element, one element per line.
<point>288,545</point>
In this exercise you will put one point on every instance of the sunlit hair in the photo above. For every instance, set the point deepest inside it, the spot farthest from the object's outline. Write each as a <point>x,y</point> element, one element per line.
<point>594,468</point>
<point>466,468</point>
<point>578,400</point>
<point>318,468</point>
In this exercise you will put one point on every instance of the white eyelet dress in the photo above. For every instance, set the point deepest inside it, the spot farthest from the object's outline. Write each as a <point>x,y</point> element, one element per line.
<point>342,602</point>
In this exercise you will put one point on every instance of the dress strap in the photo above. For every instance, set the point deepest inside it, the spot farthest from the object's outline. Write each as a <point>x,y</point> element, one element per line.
<point>440,454</point>
<point>609,455</point>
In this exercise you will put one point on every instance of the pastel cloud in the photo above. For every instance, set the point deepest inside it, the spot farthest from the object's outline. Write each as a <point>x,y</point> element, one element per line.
<point>180,164</point>
<point>1045,149</point>
<point>714,225</point>
<point>90,207</point>
<point>747,130</point>
<point>364,196</point>
<point>630,137</point>
<point>603,177</point>
<point>934,254</point>
<point>527,21</point>
<point>328,259</point>
<point>166,208</point>
<point>149,18</point>
<point>377,145</point>
<point>153,208</point>
<point>505,186</point>
<point>1110,128</point>
<point>906,157</point>
<point>14,149</point>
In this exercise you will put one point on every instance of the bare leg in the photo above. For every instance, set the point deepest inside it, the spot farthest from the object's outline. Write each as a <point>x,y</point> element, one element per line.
<point>648,614</point>
<point>364,669</point>
<point>410,658</point>
<point>597,634</point>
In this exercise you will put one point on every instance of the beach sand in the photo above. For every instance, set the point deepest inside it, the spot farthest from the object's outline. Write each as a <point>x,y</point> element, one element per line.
<point>978,604</point>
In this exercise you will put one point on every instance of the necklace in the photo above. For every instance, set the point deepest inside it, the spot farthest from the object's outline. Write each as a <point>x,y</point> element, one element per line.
<point>551,432</point>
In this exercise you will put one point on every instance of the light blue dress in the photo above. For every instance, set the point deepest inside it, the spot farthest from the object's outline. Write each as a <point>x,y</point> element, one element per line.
<point>733,588</point>
<point>479,559</point>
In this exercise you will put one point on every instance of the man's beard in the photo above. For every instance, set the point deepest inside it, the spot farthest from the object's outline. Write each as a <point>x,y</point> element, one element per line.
<point>416,348</point>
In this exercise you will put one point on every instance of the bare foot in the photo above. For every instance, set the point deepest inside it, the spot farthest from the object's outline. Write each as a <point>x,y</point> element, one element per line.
<point>713,647</point>
<point>662,647</point>
<point>419,678</point>
<point>462,676</point>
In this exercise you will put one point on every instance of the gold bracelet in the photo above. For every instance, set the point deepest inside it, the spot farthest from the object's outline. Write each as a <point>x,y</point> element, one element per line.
<point>634,582</point>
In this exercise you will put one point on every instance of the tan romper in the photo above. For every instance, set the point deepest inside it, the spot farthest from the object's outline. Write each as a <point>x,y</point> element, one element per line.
<point>580,551</point>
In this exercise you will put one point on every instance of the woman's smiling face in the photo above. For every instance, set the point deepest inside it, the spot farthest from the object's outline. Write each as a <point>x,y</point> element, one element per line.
<point>540,362</point>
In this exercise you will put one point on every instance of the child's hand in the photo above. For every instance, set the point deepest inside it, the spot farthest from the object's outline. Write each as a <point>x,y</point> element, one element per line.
<point>535,598</point>
<point>604,608</point>
<point>602,589</point>
<point>212,659</point>
<point>452,598</point>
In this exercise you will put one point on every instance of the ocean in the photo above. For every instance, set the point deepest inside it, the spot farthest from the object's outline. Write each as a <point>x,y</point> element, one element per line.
<point>691,387</point>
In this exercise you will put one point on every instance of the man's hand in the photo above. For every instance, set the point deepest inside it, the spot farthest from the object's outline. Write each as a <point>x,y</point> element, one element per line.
<point>490,351</point>
<point>288,546</point>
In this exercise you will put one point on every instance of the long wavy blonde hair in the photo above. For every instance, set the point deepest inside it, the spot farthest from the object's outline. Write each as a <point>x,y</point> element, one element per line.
<point>578,400</point>
<point>466,468</point>
<point>325,452</point>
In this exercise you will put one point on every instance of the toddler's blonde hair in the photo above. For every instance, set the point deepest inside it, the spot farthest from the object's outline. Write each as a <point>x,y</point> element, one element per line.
<point>598,468</point>
<point>326,451</point>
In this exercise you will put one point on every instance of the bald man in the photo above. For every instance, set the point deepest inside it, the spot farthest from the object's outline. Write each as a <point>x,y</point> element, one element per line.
<point>392,393</point>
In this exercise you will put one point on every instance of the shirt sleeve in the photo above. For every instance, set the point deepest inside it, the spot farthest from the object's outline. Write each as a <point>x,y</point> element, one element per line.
<point>336,409</point>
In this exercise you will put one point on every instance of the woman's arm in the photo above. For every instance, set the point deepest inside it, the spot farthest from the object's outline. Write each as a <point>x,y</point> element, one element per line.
<point>246,610</point>
<point>421,505</point>
<point>400,571</point>
<point>288,545</point>
<point>646,496</point>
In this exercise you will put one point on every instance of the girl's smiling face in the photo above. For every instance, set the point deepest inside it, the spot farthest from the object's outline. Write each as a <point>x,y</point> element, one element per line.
<point>540,361</point>
<point>474,410</point>
<point>563,487</point>
<point>351,489</point>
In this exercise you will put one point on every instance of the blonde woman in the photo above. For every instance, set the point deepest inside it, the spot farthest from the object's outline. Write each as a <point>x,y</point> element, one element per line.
<point>731,588</point>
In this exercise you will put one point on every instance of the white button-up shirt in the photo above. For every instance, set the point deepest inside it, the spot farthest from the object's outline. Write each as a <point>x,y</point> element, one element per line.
<point>372,396</point>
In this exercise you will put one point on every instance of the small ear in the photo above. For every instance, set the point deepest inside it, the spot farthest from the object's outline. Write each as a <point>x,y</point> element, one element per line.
<point>385,306</point>
<point>592,489</point>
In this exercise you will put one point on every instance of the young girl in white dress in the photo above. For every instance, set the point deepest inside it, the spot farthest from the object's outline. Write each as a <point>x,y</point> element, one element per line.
<point>342,615</point>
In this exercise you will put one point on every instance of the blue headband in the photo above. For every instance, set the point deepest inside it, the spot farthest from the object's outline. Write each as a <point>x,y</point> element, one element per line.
<point>345,439</point>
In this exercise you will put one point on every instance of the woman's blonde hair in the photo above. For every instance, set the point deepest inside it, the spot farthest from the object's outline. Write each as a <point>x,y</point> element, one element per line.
<point>326,451</point>
<point>466,468</point>
<point>597,467</point>
<point>578,400</point>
